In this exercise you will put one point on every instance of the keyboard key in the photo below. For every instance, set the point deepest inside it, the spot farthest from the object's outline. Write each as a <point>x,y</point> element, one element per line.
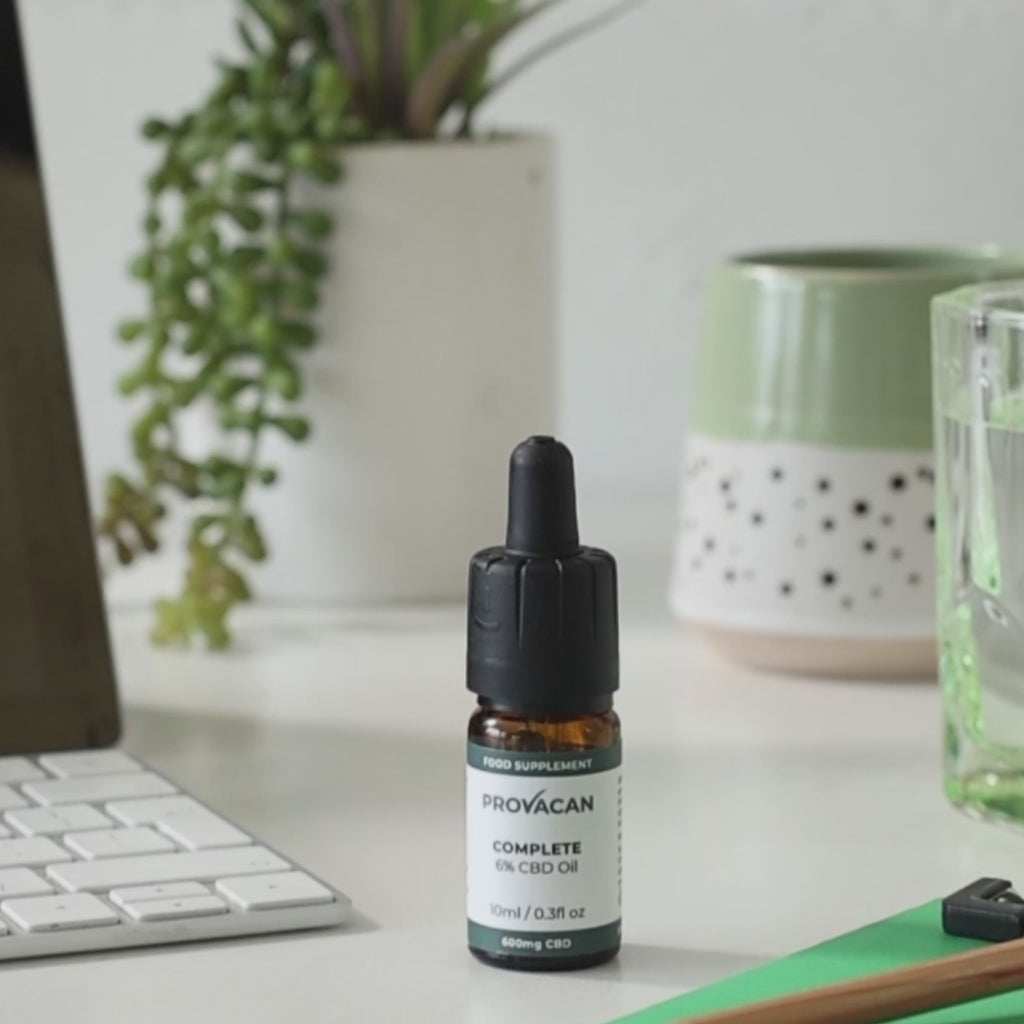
<point>185,820</point>
<point>30,852</point>
<point>265,892</point>
<point>143,893</point>
<point>183,906</point>
<point>117,842</point>
<point>51,821</point>
<point>22,882</point>
<point>58,913</point>
<point>157,809</point>
<point>92,789</point>
<point>9,798</point>
<point>19,769</point>
<point>90,762</point>
<point>202,830</point>
<point>205,865</point>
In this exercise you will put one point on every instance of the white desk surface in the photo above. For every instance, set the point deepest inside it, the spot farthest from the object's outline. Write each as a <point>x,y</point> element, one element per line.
<point>762,814</point>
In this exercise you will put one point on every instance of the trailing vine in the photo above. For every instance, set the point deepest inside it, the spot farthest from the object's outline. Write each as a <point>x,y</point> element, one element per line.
<point>232,264</point>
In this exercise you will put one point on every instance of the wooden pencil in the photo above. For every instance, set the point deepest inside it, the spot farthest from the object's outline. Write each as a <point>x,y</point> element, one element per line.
<point>931,985</point>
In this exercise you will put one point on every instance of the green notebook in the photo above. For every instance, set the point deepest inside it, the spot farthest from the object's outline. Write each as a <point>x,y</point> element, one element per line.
<point>907,938</point>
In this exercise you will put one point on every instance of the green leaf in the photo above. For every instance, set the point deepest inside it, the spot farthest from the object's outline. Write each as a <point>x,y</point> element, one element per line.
<point>238,297</point>
<point>314,160</point>
<point>172,627</point>
<point>263,77</point>
<point>329,91</point>
<point>181,474</point>
<point>247,217</point>
<point>482,89</point>
<point>201,524</point>
<point>311,262</point>
<point>265,332</point>
<point>200,207</point>
<point>210,241</point>
<point>245,181</point>
<point>130,330</point>
<point>143,266</point>
<point>218,638</point>
<point>195,342</point>
<point>298,334</point>
<point>283,379</point>
<point>224,388</point>
<point>295,427</point>
<point>130,383</point>
<point>145,425</point>
<point>233,83</point>
<point>181,177</point>
<point>312,222</point>
<point>193,150</point>
<point>300,295</point>
<point>233,583</point>
<point>229,483</point>
<point>244,257</point>
<point>217,464</point>
<point>327,169</point>
<point>329,128</point>
<point>156,182</point>
<point>259,8</point>
<point>153,128</point>
<point>232,418</point>
<point>187,391</point>
<point>302,154</point>
<point>250,540</point>
<point>454,63</point>
<point>117,488</point>
<point>239,305</point>
<point>247,37</point>
<point>281,249</point>
<point>268,148</point>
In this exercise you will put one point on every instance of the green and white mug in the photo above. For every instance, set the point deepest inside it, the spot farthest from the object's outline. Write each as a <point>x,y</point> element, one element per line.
<point>806,536</point>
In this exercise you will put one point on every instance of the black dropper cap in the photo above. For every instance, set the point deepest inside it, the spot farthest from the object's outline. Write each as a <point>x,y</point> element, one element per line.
<point>543,611</point>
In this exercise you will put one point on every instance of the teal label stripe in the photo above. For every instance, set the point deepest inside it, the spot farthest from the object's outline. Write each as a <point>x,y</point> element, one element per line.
<point>546,945</point>
<point>546,763</point>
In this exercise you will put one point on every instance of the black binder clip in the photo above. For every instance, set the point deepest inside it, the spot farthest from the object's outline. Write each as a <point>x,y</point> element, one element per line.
<point>987,909</point>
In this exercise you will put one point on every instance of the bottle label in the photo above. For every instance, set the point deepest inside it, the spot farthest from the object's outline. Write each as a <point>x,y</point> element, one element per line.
<point>544,851</point>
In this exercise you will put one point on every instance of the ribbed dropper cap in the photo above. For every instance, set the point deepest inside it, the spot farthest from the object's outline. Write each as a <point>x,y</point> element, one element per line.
<point>543,611</point>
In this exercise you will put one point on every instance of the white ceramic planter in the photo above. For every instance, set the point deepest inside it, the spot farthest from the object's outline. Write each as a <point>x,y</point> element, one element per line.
<point>437,354</point>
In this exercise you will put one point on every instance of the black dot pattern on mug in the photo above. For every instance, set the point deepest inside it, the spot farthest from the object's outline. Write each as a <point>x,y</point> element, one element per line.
<point>811,514</point>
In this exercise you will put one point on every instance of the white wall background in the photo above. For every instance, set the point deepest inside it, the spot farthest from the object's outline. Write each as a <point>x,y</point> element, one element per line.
<point>688,130</point>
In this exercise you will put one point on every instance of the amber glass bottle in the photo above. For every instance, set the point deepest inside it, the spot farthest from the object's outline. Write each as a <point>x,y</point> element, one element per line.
<point>544,755</point>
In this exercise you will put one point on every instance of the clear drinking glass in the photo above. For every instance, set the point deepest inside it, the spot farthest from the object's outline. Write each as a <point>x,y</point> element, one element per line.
<point>978,369</point>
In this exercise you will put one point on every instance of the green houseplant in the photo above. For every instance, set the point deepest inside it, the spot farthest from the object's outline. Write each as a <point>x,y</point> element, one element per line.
<point>234,257</point>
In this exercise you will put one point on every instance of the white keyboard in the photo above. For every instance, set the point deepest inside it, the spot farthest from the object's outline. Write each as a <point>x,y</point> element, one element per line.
<point>98,852</point>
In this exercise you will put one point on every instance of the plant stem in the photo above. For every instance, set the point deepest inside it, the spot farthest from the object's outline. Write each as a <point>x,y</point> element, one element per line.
<point>545,49</point>
<point>250,462</point>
